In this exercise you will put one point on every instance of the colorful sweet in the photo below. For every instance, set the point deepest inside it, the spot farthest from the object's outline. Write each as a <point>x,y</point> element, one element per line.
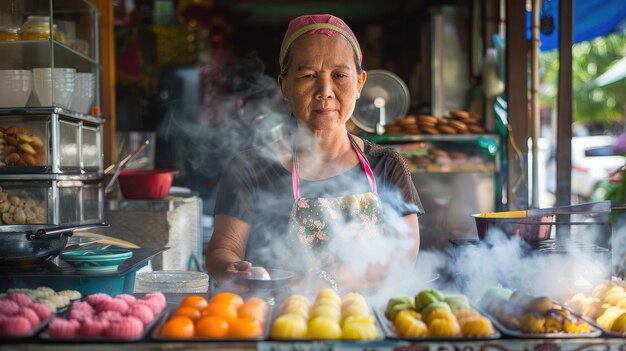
<point>532,315</point>
<point>127,327</point>
<point>605,303</point>
<point>19,316</point>
<point>20,298</point>
<point>30,315</point>
<point>358,327</point>
<point>71,294</point>
<point>9,307</point>
<point>158,296</point>
<point>130,299</point>
<point>440,316</point>
<point>478,326</point>
<point>93,327</point>
<point>141,312</point>
<point>289,326</point>
<point>110,316</point>
<point>15,326</point>
<point>408,323</point>
<point>225,315</point>
<point>118,305</point>
<point>95,299</point>
<point>63,328</point>
<point>101,315</point>
<point>329,318</point>
<point>42,311</point>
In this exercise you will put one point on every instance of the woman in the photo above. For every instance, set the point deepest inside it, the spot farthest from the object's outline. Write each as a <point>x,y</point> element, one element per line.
<point>312,202</point>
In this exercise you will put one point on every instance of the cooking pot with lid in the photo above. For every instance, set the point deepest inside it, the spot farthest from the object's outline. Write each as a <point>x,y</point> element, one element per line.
<point>34,244</point>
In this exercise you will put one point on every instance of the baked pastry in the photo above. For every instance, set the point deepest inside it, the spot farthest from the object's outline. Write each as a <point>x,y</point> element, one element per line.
<point>430,130</point>
<point>427,121</point>
<point>458,125</point>
<point>459,114</point>
<point>446,129</point>
<point>474,128</point>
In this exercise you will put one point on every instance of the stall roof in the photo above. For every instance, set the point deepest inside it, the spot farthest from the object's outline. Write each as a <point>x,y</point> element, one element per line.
<point>592,18</point>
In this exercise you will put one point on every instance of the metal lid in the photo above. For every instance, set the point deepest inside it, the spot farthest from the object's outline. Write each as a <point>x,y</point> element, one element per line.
<point>38,19</point>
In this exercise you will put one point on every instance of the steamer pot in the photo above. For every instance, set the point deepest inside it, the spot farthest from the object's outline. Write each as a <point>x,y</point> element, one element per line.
<point>530,229</point>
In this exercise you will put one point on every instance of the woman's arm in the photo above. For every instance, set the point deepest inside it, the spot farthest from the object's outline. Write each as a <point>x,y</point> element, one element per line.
<point>414,231</point>
<point>227,249</point>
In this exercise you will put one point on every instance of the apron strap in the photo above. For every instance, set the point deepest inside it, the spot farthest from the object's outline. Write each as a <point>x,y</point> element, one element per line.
<point>295,182</point>
<point>366,165</point>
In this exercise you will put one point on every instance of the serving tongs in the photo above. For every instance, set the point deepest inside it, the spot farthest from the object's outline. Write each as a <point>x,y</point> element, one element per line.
<point>589,208</point>
<point>59,231</point>
<point>121,164</point>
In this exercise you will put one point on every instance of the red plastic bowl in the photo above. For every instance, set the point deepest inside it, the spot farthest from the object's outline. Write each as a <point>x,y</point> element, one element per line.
<point>146,184</point>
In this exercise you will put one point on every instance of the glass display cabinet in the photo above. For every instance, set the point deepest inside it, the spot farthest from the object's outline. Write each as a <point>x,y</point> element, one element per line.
<point>51,152</point>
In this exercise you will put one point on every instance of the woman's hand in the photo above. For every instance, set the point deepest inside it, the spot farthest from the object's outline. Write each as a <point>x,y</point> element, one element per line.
<point>239,269</point>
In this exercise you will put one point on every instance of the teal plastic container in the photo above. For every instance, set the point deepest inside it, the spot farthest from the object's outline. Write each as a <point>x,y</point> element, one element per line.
<point>62,276</point>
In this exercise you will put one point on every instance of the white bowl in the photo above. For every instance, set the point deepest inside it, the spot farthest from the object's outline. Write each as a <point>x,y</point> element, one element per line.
<point>84,92</point>
<point>63,79</point>
<point>15,87</point>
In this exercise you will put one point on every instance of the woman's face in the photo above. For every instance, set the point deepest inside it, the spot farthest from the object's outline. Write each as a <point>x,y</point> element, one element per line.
<point>322,82</point>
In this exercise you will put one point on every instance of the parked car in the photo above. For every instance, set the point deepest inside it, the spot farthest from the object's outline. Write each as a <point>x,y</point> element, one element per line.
<point>592,161</point>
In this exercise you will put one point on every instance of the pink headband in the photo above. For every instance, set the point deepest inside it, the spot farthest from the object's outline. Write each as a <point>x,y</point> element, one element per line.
<point>317,24</point>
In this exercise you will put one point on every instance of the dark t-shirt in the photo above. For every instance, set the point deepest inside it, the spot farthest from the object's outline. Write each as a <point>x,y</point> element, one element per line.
<point>256,188</point>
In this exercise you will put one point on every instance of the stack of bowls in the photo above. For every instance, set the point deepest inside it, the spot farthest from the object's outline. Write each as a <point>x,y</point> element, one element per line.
<point>54,86</point>
<point>172,282</point>
<point>15,87</point>
<point>84,92</point>
<point>96,261</point>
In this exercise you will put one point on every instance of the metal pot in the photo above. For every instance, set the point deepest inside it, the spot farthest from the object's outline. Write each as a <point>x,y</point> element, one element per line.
<point>34,244</point>
<point>528,228</point>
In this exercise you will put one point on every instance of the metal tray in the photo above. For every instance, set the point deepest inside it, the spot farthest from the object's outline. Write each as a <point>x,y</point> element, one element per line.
<point>156,332</point>
<point>45,335</point>
<point>381,333</point>
<point>605,331</point>
<point>595,332</point>
<point>390,331</point>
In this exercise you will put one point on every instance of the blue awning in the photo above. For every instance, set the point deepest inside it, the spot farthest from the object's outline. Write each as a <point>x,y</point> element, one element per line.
<point>592,18</point>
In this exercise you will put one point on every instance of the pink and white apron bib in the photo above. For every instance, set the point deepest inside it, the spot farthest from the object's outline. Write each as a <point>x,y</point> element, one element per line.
<point>315,223</point>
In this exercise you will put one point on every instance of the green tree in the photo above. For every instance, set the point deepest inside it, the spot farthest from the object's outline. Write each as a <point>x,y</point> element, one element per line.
<point>590,60</point>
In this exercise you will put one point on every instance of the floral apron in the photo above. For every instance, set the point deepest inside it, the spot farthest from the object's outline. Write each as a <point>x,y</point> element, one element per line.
<point>314,222</point>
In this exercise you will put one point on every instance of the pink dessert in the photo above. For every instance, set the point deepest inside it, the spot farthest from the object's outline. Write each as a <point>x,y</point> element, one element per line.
<point>110,316</point>
<point>156,295</point>
<point>42,311</point>
<point>21,298</point>
<point>127,327</point>
<point>31,315</point>
<point>82,306</point>
<point>153,304</point>
<point>113,305</point>
<point>130,299</point>
<point>63,328</point>
<point>81,315</point>
<point>93,327</point>
<point>9,307</point>
<point>15,326</point>
<point>95,299</point>
<point>142,312</point>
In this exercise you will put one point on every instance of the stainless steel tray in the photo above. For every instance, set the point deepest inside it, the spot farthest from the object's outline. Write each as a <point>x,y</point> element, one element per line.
<point>595,332</point>
<point>390,331</point>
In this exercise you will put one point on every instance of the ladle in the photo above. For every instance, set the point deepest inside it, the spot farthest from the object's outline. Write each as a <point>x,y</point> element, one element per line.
<point>123,164</point>
<point>589,207</point>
